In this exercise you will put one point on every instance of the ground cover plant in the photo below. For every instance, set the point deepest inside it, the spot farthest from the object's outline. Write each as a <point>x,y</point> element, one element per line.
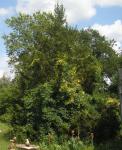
<point>4,136</point>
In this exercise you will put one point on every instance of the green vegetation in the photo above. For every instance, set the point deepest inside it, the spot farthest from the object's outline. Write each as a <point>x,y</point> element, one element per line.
<point>4,138</point>
<point>73,144</point>
<point>60,85</point>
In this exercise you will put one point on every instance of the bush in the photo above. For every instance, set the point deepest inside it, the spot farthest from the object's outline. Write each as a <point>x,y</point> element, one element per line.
<point>108,127</point>
<point>72,144</point>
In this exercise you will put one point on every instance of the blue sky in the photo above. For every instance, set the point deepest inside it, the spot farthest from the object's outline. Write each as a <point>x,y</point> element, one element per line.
<point>103,15</point>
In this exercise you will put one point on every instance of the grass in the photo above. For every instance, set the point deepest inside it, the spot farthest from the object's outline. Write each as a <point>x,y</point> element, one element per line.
<point>112,145</point>
<point>4,139</point>
<point>4,142</point>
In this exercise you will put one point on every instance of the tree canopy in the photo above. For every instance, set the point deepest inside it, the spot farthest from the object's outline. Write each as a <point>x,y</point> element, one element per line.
<point>60,77</point>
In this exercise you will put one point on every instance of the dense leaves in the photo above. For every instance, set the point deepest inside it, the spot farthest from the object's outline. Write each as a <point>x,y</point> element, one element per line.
<point>61,74</point>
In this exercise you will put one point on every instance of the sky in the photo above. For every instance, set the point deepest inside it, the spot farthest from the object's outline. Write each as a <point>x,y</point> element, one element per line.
<point>102,15</point>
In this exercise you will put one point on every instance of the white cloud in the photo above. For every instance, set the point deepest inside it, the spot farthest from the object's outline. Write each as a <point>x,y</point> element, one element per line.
<point>76,10</point>
<point>6,11</point>
<point>5,69</point>
<point>79,10</point>
<point>29,6</point>
<point>3,65</point>
<point>112,31</point>
<point>108,2</point>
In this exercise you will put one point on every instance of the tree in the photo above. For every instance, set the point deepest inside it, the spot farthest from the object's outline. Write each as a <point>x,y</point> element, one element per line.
<point>59,70</point>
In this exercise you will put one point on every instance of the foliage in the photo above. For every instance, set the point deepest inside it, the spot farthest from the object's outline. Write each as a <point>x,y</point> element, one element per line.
<point>72,144</point>
<point>4,135</point>
<point>109,123</point>
<point>60,79</point>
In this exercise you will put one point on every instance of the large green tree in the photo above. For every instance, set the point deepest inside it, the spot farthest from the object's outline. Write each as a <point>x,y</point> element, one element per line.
<point>59,71</point>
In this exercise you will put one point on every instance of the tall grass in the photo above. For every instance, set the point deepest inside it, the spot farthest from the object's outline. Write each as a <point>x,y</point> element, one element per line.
<point>4,139</point>
<point>111,145</point>
<point>72,144</point>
